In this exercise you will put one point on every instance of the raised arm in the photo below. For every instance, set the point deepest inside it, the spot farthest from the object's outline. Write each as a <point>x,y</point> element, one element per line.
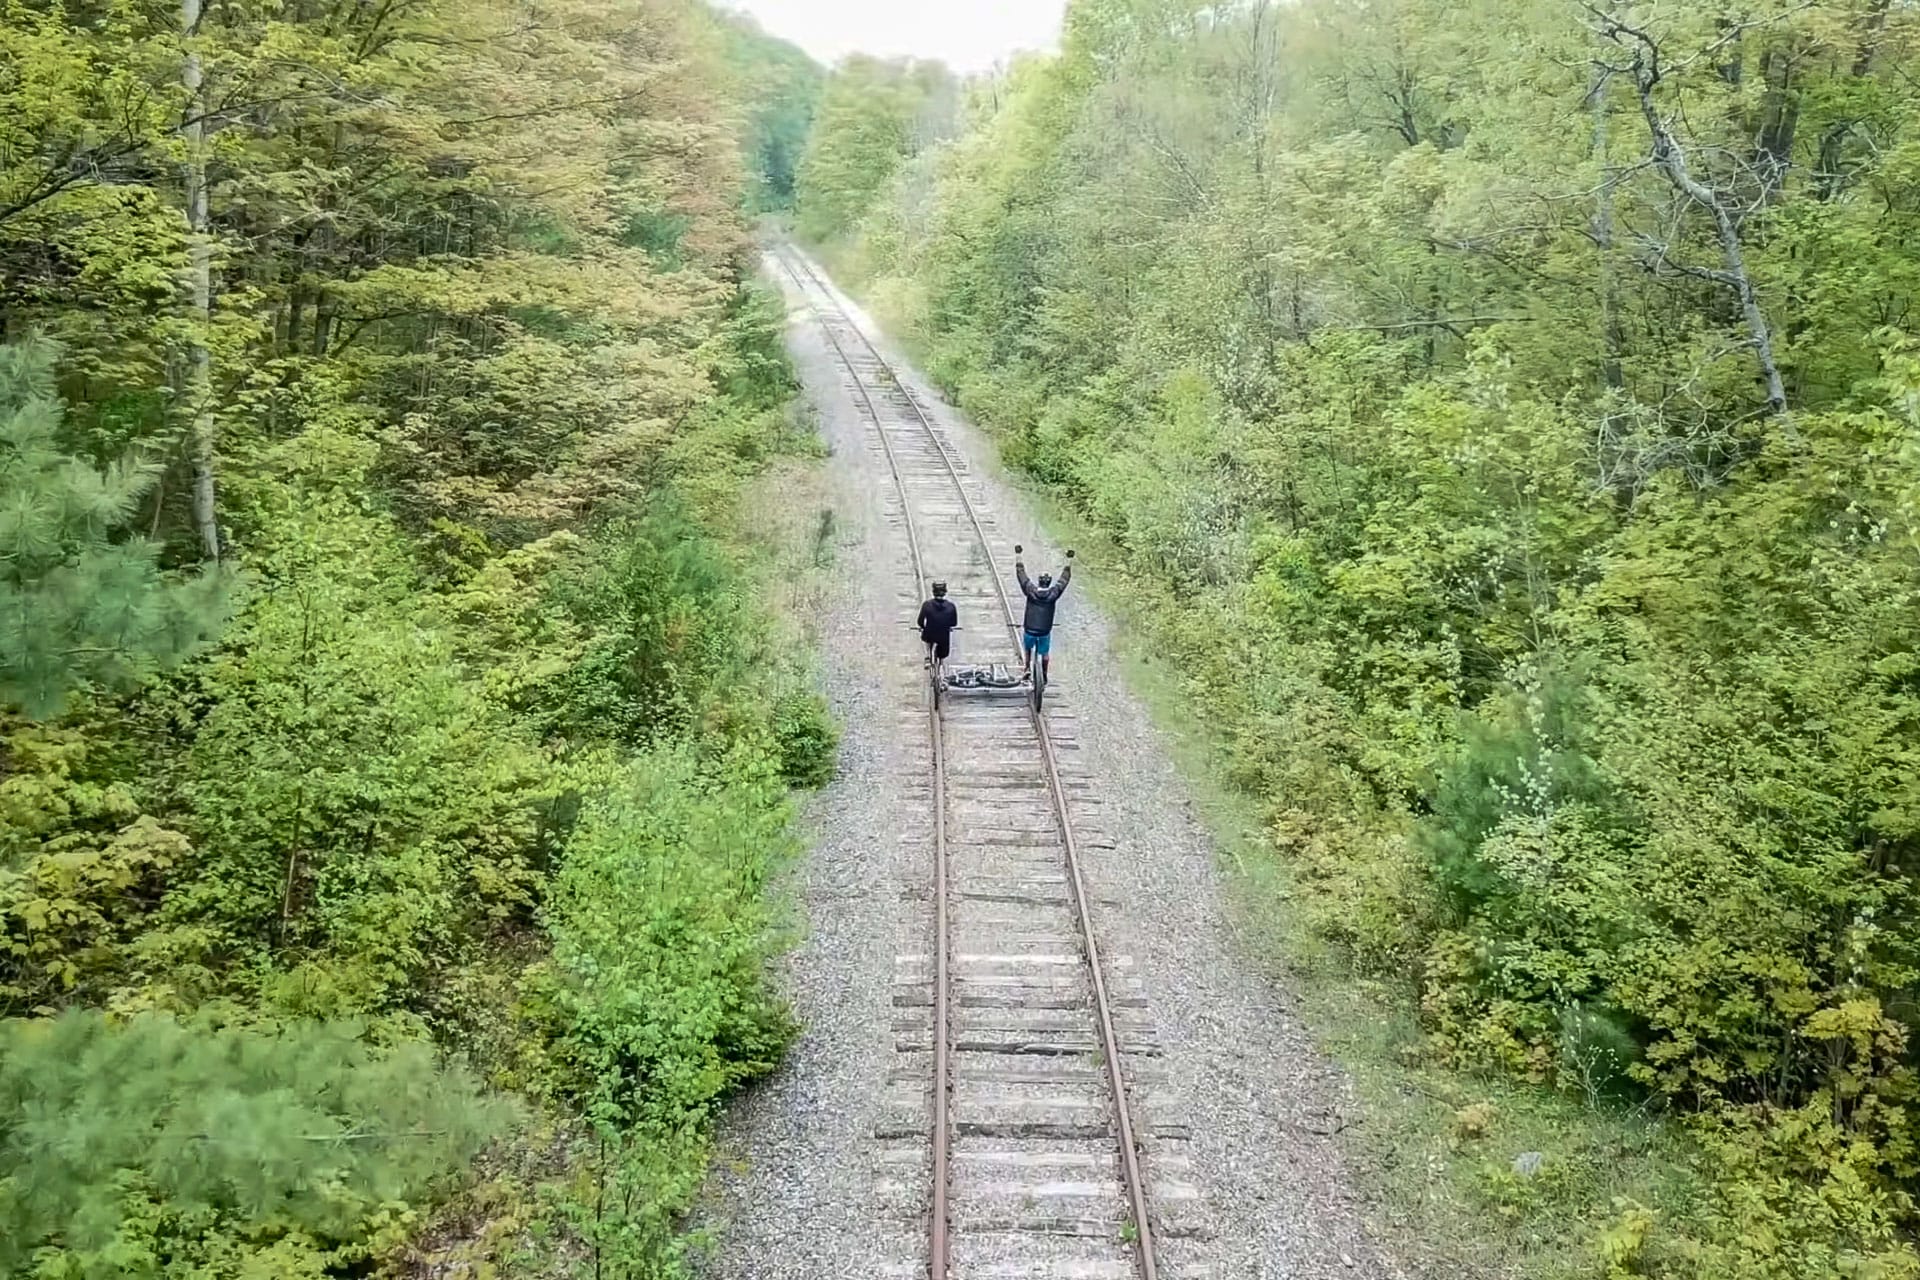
<point>1026,583</point>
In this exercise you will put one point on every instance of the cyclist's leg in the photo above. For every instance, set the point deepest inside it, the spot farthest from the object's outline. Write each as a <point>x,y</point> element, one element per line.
<point>1027,640</point>
<point>1043,645</point>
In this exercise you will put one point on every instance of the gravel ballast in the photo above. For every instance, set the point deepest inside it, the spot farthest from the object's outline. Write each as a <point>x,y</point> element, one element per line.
<point>794,1195</point>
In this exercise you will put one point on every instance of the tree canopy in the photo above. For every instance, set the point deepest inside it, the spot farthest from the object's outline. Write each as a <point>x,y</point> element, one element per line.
<point>379,388</point>
<point>781,86</point>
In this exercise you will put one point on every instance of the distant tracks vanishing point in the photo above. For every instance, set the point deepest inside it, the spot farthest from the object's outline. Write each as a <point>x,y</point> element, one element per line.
<point>1029,1096</point>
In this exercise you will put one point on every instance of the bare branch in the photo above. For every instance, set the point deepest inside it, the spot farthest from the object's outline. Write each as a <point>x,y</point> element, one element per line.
<point>1646,71</point>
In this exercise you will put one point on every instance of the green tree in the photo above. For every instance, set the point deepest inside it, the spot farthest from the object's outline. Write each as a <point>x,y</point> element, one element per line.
<point>780,87</point>
<point>77,607</point>
<point>873,116</point>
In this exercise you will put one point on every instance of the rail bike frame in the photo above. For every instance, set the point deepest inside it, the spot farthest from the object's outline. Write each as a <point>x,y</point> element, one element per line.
<point>974,679</point>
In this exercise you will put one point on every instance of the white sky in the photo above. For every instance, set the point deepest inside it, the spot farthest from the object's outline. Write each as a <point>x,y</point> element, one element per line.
<point>967,35</point>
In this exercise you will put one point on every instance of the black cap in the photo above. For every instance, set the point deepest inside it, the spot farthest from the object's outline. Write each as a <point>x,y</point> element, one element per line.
<point>939,588</point>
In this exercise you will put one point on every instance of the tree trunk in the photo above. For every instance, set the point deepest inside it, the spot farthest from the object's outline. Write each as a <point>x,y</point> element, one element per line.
<point>1610,366</point>
<point>322,326</point>
<point>1780,119</point>
<point>296,312</point>
<point>1672,162</point>
<point>200,289</point>
<point>1830,181</point>
<point>1669,157</point>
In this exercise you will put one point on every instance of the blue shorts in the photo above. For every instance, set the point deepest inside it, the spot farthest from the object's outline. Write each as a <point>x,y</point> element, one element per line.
<point>1032,643</point>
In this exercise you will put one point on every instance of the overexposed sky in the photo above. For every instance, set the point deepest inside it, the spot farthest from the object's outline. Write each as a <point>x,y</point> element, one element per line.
<point>967,35</point>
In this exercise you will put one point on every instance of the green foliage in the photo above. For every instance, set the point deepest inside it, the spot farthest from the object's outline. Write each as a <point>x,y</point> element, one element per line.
<point>657,991</point>
<point>873,116</point>
<point>155,1148</point>
<point>80,870</point>
<point>78,608</point>
<point>1413,387</point>
<point>660,604</point>
<point>354,794</point>
<point>485,376</point>
<point>659,929</point>
<point>806,739</point>
<point>672,648</point>
<point>780,86</point>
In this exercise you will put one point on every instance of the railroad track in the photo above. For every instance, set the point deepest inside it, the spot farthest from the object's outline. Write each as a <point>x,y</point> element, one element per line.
<point>1016,1145</point>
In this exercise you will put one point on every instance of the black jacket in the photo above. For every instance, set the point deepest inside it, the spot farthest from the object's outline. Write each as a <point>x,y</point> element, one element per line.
<point>1040,602</point>
<point>938,618</point>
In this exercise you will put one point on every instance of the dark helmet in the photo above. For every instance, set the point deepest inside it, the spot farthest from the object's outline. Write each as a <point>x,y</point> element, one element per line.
<point>1046,579</point>
<point>939,589</point>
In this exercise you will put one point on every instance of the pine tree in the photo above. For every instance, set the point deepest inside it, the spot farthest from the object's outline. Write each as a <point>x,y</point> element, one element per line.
<point>150,1147</point>
<point>78,605</point>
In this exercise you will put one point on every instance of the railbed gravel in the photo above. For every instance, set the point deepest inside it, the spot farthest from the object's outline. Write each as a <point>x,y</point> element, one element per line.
<point>792,1195</point>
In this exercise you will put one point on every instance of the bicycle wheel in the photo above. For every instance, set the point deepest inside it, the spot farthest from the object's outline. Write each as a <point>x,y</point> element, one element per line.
<point>1039,684</point>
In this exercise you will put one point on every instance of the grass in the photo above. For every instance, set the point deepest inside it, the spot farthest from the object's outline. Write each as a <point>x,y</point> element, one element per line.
<point>787,516</point>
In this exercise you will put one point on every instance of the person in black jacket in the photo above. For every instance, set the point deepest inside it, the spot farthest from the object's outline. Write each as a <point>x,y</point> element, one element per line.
<point>1037,632</point>
<point>937,620</point>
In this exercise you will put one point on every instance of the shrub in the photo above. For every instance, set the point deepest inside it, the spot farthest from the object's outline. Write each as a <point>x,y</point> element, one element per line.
<point>359,802</point>
<point>660,932</point>
<point>657,998</point>
<point>660,608</point>
<point>807,739</point>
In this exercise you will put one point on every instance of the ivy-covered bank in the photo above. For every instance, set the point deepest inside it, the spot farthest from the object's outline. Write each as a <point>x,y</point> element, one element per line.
<point>394,747</point>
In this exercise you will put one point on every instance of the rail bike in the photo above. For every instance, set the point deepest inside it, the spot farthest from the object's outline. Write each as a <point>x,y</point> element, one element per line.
<point>984,679</point>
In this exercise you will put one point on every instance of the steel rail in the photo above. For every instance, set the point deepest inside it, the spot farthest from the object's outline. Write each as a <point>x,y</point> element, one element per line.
<point>1131,1173</point>
<point>942,1048</point>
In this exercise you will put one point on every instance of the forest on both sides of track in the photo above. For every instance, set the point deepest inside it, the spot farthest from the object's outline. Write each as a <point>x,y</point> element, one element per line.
<point>1506,417</point>
<point>396,738</point>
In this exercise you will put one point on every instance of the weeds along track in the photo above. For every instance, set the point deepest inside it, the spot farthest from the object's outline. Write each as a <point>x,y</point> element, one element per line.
<point>1017,1140</point>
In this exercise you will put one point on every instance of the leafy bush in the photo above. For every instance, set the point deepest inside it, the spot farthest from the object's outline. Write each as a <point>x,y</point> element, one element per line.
<point>362,807</point>
<point>662,619</point>
<point>807,740</point>
<point>357,799</point>
<point>657,995</point>
<point>660,929</point>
